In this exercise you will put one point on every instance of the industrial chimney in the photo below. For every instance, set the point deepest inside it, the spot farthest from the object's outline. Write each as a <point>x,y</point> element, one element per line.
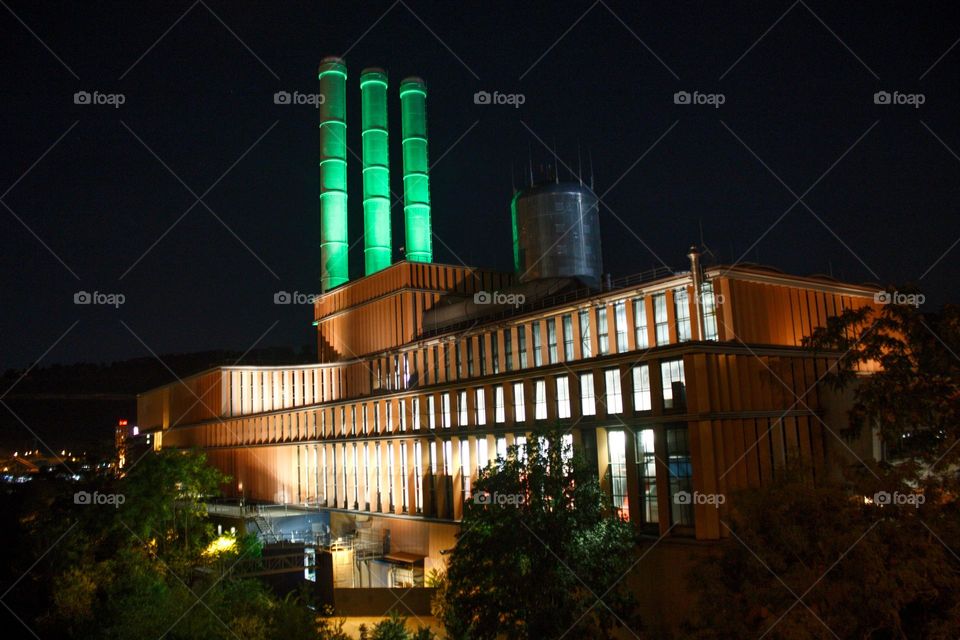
<point>416,181</point>
<point>334,268</point>
<point>377,237</point>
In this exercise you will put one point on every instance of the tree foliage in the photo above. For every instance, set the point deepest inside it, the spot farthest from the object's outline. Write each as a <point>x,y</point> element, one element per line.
<point>906,366</point>
<point>860,570</point>
<point>539,544</point>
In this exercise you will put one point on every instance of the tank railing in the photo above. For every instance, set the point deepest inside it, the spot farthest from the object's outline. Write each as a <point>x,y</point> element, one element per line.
<point>554,300</point>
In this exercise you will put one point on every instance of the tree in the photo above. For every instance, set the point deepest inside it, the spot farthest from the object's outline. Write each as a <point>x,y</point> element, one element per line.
<point>539,544</point>
<point>904,368</point>
<point>846,560</point>
<point>862,570</point>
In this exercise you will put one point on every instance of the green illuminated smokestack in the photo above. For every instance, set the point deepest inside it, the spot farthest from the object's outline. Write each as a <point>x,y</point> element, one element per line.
<point>377,239</point>
<point>334,269</point>
<point>416,182</point>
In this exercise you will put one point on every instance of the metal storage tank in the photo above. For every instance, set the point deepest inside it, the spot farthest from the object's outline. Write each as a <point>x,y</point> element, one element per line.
<point>556,233</point>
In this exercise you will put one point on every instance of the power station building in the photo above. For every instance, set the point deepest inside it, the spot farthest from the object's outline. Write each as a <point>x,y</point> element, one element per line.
<point>676,385</point>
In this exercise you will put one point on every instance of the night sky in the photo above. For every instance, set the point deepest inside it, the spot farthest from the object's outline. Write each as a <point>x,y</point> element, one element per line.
<point>104,199</point>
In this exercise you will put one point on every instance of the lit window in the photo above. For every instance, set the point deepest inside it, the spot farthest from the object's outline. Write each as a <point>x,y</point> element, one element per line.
<point>614,396</point>
<point>502,448</point>
<point>432,412</point>
<point>416,414</point>
<point>681,476</point>
<point>480,410</point>
<point>499,412</point>
<point>620,325</point>
<point>482,339</point>
<point>660,318</point>
<point>709,312</point>
<point>566,447</point>
<point>617,447</point>
<point>470,371</point>
<point>495,352</point>
<point>508,349</point>
<point>563,397</point>
<point>681,306</point>
<point>447,458</point>
<point>519,410</point>
<point>482,458</point>
<point>462,408</point>
<point>343,474</point>
<point>674,394</point>
<point>537,354</point>
<point>521,447</point>
<point>356,480</point>
<point>522,345</point>
<point>445,410</point>
<point>403,477</point>
<point>568,338</point>
<point>586,349</point>
<point>376,417</point>
<point>647,473</point>
<point>603,336</point>
<point>403,414</point>
<point>588,405</point>
<point>552,340</point>
<point>641,388</point>
<point>418,476</point>
<point>540,399</point>
<point>465,471</point>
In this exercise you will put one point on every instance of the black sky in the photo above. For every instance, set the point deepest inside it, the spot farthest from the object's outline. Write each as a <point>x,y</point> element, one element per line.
<point>798,79</point>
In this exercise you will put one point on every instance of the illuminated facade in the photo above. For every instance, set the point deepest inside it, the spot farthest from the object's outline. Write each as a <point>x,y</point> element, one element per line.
<point>676,386</point>
<point>398,418</point>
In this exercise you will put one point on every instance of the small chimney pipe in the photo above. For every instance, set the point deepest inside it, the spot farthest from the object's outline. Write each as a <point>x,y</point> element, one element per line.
<point>697,278</point>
